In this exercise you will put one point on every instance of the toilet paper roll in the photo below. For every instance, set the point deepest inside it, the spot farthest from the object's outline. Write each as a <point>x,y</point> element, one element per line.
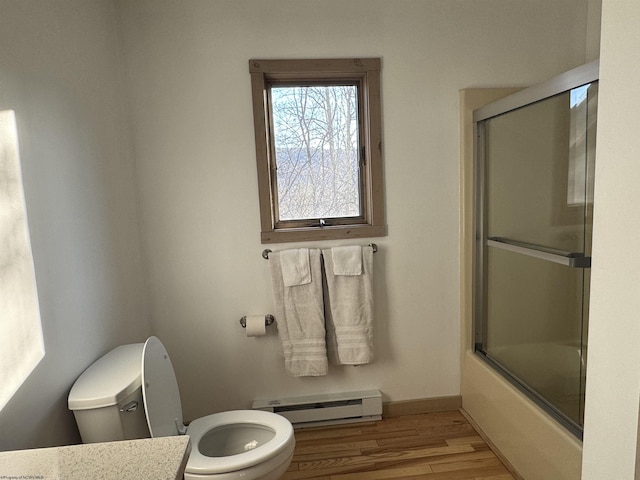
<point>256,326</point>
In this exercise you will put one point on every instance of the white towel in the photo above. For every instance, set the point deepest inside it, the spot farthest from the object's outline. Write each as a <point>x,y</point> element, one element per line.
<point>347,260</point>
<point>295,267</point>
<point>300,318</point>
<point>349,312</point>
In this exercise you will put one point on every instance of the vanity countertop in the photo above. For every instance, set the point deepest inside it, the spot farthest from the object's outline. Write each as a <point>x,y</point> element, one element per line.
<point>161,458</point>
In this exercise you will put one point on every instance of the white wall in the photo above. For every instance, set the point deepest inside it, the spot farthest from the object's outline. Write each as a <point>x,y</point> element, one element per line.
<point>189,92</point>
<point>613,376</point>
<point>60,72</point>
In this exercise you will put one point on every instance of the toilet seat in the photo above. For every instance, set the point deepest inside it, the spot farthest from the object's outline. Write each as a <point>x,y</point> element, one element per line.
<point>269,436</point>
<point>198,429</point>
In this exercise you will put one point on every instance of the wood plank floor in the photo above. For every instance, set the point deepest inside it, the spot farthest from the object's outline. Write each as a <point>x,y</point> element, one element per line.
<point>433,446</point>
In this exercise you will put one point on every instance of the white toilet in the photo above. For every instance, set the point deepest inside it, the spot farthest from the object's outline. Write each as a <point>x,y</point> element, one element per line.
<point>132,392</point>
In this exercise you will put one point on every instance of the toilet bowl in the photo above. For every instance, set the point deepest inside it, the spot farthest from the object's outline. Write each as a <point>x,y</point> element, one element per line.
<point>241,441</point>
<point>106,402</point>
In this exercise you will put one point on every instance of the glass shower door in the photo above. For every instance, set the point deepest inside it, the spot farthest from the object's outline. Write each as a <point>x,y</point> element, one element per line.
<point>536,247</point>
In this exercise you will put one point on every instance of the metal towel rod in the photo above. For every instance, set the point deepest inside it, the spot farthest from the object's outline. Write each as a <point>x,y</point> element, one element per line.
<point>568,259</point>
<point>266,251</point>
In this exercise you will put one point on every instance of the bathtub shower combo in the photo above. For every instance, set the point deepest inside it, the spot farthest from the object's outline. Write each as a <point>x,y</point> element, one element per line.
<point>535,157</point>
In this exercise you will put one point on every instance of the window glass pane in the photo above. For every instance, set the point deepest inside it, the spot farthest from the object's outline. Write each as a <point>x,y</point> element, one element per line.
<point>315,134</point>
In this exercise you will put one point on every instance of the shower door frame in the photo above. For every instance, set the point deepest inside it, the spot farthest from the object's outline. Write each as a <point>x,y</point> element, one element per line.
<point>577,77</point>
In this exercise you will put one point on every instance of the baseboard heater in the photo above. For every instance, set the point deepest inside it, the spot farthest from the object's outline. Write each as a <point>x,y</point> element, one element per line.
<point>326,409</point>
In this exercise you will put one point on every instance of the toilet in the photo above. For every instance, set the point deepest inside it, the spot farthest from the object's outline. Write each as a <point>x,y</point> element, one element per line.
<point>132,392</point>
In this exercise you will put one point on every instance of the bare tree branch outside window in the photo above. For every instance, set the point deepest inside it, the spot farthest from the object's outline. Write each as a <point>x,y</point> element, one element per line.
<point>315,129</point>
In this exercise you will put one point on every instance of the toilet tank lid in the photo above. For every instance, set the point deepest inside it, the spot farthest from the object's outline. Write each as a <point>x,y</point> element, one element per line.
<point>111,379</point>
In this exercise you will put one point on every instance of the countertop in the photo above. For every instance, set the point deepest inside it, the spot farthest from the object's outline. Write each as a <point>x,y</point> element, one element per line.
<point>161,458</point>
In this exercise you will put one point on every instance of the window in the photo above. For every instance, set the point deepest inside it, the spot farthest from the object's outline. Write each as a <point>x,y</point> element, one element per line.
<point>318,134</point>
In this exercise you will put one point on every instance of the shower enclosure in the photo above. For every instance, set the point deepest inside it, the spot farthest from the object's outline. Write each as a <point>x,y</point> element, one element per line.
<point>535,157</point>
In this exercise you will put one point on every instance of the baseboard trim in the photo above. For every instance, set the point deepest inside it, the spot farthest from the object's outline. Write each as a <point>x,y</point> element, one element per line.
<point>421,405</point>
<point>492,446</point>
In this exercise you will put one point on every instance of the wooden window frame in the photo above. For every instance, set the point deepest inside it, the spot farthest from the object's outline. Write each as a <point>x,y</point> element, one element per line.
<point>366,73</point>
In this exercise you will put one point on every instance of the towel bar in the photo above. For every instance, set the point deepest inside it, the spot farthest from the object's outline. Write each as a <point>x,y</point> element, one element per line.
<point>568,259</point>
<point>266,251</point>
<point>268,320</point>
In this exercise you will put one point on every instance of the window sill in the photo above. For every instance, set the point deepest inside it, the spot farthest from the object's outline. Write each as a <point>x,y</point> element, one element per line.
<point>323,233</point>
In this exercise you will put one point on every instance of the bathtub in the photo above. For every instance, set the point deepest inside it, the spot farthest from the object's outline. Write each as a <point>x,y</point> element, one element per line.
<point>555,372</point>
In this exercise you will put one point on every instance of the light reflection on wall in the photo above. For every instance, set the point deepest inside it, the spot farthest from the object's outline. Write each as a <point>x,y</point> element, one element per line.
<point>21,342</point>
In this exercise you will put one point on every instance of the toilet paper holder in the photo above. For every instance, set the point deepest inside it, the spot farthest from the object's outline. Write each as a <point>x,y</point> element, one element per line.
<point>268,320</point>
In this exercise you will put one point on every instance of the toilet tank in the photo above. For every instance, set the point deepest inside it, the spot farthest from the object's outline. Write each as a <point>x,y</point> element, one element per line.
<point>106,399</point>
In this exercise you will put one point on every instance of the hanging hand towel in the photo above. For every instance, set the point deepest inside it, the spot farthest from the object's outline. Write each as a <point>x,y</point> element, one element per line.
<point>347,260</point>
<point>300,312</point>
<point>295,267</point>
<point>349,311</point>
